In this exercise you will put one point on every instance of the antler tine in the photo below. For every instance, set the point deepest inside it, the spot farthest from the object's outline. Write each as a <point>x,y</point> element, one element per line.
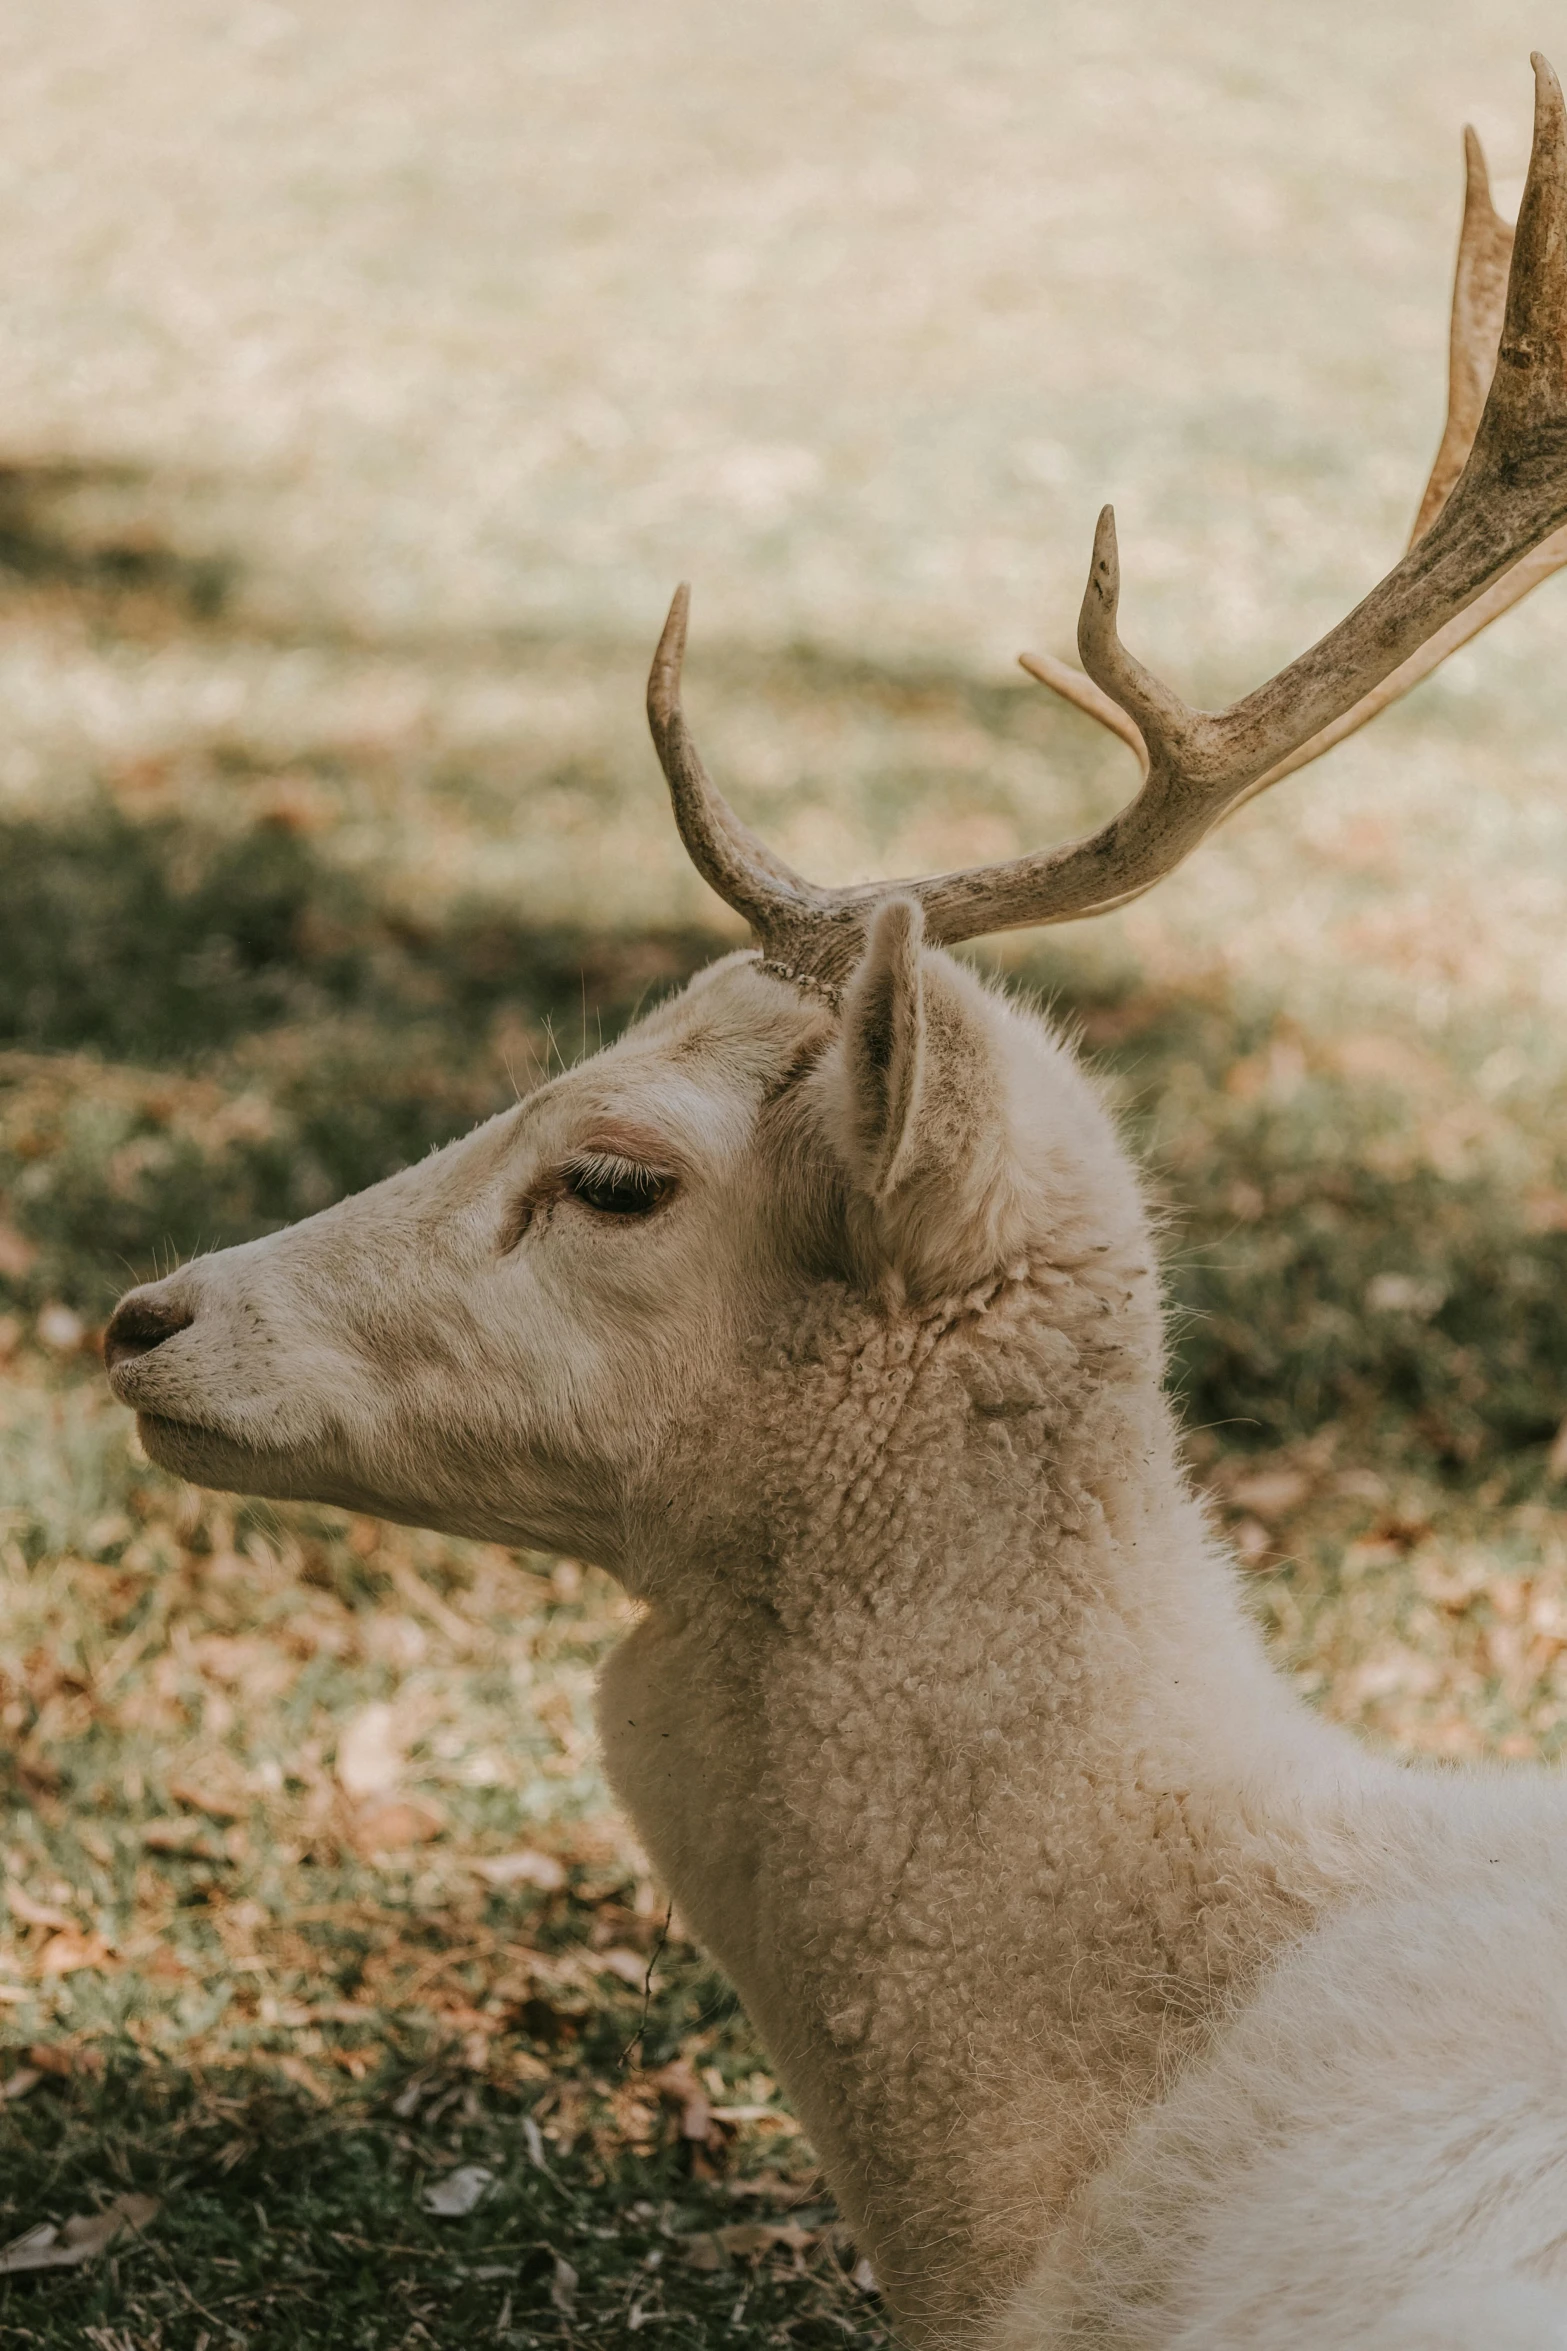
<point>1497,534</point>
<point>1492,525</point>
<point>1084,695</point>
<point>1485,250</point>
<point>734,861</point>
<point>1479,302</point>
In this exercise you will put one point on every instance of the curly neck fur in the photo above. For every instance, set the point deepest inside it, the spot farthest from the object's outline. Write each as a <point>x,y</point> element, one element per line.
<point>962,1758</point>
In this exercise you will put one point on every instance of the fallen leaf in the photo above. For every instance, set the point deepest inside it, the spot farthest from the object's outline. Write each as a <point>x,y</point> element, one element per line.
<point>1270,1494</point>
<point>295,2069</point>
<point>776,2189</point>
<point>1403,1293</point>
<point>749,2239</point>
<point>343,2012</point>
<point>1556,1459</point>
<point>526,1868</point>
<point>83,2237</point>
<point>679,2085</point>
<point>211,1800</point>
<point>1544,1212</point>
<point>63,2060</point>
<point>369,1753</point>
<point>17,2084</point>
<point>17,1254</point>
<point>34,1914</point>
<point>183,1834</point>
<point>64,1953</point>
<point>456,2194</point>
<point>165,1967</point>
<point>630,1966</point>
<point>563,2288</point>
<point>1252,1541</point>
<point>391,1828</point>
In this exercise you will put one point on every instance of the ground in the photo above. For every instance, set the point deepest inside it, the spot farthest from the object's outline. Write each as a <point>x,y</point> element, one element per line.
<point>366,385</point>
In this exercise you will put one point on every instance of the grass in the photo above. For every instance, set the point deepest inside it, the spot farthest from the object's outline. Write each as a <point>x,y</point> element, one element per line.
<point>313,1897</point>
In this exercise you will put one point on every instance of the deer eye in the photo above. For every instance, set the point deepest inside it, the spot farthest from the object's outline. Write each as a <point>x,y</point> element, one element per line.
<point>616,1187</point>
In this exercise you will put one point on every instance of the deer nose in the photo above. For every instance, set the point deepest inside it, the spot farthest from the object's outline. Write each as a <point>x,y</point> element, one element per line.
<point>141,1322</point>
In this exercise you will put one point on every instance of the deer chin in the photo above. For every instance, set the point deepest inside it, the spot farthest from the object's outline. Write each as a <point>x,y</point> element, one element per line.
<point>284,1472</point>
<point>210,1456</point>
<point>215,1458</point>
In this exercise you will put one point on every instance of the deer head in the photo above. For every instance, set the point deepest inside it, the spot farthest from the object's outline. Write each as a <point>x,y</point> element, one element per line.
<point>518,1337</point>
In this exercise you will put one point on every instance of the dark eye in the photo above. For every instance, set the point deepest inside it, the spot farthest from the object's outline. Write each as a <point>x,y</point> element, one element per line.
<point>616,1187</point>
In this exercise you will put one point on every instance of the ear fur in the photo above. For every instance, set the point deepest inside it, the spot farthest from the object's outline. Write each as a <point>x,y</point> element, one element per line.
<point>884,1048</point>
<point>921,1107</point>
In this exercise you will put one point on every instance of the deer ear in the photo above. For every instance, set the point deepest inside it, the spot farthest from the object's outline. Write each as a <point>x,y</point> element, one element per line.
<point>921,1101</point>
<point>884,1048</point>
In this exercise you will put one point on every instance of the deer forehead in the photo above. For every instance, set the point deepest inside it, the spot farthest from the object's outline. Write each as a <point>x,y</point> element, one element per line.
<point>683,1087</point>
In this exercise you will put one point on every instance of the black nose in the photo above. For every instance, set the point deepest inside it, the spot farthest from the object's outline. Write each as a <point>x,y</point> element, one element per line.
<point>141,1322</point>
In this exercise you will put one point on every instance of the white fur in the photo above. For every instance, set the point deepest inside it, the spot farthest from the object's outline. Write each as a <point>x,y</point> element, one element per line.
<point>1129,2004</point>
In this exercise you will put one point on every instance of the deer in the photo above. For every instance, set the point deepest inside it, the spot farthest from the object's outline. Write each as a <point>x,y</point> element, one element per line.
<point>1127,2001</point>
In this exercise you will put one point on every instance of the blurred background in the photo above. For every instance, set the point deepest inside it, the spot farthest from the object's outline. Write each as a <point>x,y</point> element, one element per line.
<point>367,379</point>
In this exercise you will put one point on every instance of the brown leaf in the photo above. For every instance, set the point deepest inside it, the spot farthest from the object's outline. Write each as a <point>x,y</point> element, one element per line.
<point>630,1966</point>
<point>1270,1494</point>
<point>297,2071</point>
<point>749,2239</point>
<point>165,1967</point>
<point>183,1834</point>
<point>1252,1541</point>
<point>369,1753</point>
<point>1556,1459</point>
<point>35,1914</point>
<point>17,1254</point>
<point>83,2237</point>
<point>64,1953</point>
<point>679,2085</point>
<point>393,1827</point>
<point>208,1798</point>
<point>777,2189</point>
<point>527,1868</point>
<point>54,2057</point>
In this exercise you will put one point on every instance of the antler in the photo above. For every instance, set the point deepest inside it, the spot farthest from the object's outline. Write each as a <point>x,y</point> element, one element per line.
<point>1491,526</point>
<point>1485,246</point>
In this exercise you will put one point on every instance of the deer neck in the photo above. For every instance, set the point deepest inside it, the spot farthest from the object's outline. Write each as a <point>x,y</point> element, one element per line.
<point>968,1768</point>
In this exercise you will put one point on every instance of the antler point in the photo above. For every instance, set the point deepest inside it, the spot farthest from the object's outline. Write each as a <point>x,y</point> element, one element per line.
<point>1547,89</point>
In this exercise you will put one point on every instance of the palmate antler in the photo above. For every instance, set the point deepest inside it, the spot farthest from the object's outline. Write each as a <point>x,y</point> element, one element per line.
<point>1492,525</point>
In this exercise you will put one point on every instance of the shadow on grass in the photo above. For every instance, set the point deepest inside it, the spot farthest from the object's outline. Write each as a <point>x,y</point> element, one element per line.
<point>260,1030</point>
<point>82,527</point>
<point>1320,1269</point>
<point>274,2209</point>
<point>274,1035</point>
<point>159,942</point>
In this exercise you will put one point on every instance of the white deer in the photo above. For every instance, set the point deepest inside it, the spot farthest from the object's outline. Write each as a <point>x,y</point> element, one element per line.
<point>1128,2003</point>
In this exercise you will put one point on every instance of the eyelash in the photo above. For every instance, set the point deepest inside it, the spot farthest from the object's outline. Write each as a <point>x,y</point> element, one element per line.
<point>615,1187</point>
